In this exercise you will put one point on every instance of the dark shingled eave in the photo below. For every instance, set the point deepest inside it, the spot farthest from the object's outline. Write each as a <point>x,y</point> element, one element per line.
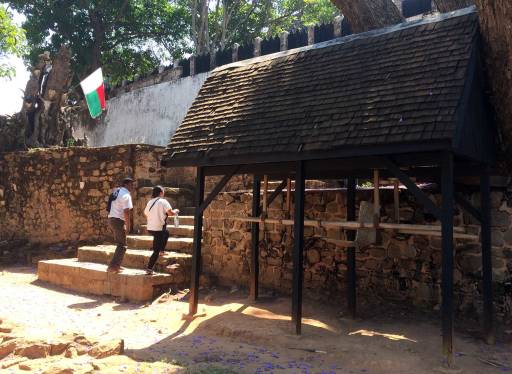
<point>200,158</point>
<point>356,151</point>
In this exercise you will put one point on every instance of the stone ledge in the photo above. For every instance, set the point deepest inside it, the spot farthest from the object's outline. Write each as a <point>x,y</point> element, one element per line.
<point>133,258</point>
<point>186,231</point>
<point>131,284</point>
<point>183,245</point>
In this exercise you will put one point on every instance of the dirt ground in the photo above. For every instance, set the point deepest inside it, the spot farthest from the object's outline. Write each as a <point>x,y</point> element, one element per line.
<point>231,336</point>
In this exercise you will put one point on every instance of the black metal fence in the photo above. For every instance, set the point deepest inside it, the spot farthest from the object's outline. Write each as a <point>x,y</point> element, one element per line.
<point>271,45</point>
<point>411,8</point>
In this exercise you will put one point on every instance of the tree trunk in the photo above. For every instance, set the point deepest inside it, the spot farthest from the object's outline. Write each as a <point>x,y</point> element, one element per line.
<point>45,96</point>
<point>203,37</point>
<point>495,16</point>
<point>364,15</point>
<point>99,37</point>
<point>450,5</point>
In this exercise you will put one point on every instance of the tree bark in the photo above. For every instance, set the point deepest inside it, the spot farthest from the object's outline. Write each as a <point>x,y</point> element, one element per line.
<point>364,15</point>
<point>496,28</point>
<point>45,96</point>
<point>450,5</point>
<point>99,31</point>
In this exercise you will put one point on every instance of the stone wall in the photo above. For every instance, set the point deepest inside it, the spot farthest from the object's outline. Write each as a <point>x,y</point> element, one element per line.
<point>401,267</point>
<point>59,195</point>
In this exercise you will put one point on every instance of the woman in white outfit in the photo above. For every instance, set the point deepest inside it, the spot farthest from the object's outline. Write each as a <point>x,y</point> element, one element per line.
<point>157,210</point>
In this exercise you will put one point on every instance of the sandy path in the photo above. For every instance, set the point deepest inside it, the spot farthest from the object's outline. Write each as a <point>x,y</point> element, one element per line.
<point>237,337</point>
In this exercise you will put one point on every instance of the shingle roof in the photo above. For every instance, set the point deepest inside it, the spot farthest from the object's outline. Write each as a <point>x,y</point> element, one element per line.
<point>397,85</point>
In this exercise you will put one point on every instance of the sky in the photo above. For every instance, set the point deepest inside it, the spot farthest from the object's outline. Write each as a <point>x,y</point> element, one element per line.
<point>11,89</point>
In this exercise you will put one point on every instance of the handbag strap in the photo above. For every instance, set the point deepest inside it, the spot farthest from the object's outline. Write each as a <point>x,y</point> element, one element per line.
<point>152,205</point>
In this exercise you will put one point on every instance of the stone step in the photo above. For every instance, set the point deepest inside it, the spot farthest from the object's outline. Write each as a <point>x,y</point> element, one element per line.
<point>178,265</point>
<point>182,245</point>
<point>133,258</point>
<point>186,231</point>
<point>186,220</point>
<point>177,196</point>
<point>187,211</point>
<point>92,278</point>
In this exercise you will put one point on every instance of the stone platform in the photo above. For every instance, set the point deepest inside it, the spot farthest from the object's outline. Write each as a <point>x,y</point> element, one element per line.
<point>130,284</point>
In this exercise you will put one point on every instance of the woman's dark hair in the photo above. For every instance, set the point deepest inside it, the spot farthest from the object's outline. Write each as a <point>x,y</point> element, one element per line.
<point>157,190</point>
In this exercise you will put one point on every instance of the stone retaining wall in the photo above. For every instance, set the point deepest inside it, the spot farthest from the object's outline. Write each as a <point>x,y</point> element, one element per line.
<point>60,194</point>
<point>402,267</point>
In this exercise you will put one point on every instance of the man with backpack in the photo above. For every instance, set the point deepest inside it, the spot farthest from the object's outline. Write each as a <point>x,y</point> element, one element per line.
<point>119,206</point>
<point>157,210</point>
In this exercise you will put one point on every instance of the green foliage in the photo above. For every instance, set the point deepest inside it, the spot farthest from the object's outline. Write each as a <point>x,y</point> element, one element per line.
<point>133,37</point>
<point>118,35</point>
<point>249,19</point>
<point>300,13</point>
<point>11,41</point>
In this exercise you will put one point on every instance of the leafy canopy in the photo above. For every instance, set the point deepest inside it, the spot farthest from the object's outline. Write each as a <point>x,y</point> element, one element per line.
<point>133,37</point>
<point>125,37</point>
<point>11,42</point>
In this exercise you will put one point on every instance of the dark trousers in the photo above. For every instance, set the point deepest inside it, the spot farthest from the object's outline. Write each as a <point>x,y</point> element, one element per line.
<point>117,227</point>
<point>159,243</point>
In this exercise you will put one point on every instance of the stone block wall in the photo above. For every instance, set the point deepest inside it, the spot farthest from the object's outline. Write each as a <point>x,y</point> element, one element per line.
<point>400,267</point>
<point>60,194</point>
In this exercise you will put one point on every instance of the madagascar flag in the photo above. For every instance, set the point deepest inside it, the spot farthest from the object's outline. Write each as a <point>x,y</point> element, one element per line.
<point>94,92</point>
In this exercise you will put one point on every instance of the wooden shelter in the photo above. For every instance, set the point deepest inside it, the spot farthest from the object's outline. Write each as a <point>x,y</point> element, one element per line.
<point>400,102</point>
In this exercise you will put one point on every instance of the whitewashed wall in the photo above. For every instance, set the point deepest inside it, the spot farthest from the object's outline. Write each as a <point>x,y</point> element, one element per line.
<point>148,115</point>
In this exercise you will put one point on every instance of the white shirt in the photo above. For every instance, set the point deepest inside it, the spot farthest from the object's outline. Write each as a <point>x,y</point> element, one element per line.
<point>123,201</point>
<point>158,213</point>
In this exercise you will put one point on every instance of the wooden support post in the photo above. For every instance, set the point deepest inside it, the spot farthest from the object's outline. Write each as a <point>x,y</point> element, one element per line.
<point>298,255</point>
<point>255,239</point>
<point>447,254</point>
<point>289,197</point>
<point>198,233</point>
<point>412,188</point>
<point>376,197</point>
<point>396,200</point>
<point>265,195</point>
<point>213,194</point>
<point>485,237</point>
<point>276,193</point>
<point>351,251</point>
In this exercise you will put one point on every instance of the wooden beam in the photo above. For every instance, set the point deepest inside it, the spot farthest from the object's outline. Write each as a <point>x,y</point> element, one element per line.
<point>396,200</point>
<point>351,251</point>
<point>198,233</point>
<point>428,230</point>
<point>376,197</point>
<point>298,254</point>
<point>466,205</point>
<point>288,197</point>
<point>418,194</point>
<point>255,240</point>
<point>217,189</point>
<point>447,255</point>
<point>485,203</point>
<point>276,192</point>
<point>265,195</point>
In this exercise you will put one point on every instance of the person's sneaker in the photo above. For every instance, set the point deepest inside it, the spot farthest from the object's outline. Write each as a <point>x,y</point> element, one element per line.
<point>149,271</point>
<point>113,269</point>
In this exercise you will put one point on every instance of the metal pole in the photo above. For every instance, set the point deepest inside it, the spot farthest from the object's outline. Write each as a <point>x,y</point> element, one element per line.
<point>447,255</point>
<point>255,236</point>
<point>485,237</point>
<point>198,233</point>
<point>351,251</point>
<point>298,255</point>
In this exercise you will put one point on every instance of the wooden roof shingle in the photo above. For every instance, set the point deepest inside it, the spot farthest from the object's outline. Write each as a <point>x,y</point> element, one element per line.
<point>400,85</point>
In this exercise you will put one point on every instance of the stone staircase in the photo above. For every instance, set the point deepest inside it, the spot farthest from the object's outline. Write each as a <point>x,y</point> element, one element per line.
<point>88,271</point>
